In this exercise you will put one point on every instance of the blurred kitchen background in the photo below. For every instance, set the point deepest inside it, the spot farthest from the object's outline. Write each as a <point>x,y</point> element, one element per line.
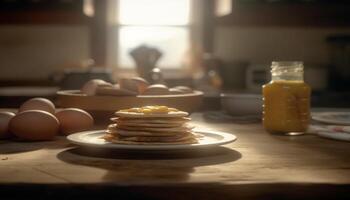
<point>212,45</point>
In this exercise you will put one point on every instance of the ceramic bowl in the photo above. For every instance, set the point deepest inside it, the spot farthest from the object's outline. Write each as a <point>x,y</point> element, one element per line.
<point>103,107</point>
<point>242,104</point>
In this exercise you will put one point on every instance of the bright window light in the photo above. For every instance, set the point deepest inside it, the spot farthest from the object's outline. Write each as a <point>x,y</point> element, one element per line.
<point>154,12</point>
<point>163,24</point>
<point>173,42</point>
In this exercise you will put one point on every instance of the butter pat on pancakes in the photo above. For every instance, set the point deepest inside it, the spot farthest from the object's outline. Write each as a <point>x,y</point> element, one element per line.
<point>151,111</point>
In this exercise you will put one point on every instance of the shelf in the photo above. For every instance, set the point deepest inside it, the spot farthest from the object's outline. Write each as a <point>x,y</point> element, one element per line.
<point>311,15</point>
<point>43,17</point>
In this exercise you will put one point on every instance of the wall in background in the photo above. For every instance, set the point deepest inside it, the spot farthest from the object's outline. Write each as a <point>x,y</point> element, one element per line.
<point>263,45</point>
<point>34,52</point>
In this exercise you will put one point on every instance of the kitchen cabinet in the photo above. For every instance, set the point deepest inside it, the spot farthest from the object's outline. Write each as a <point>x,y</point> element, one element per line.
<point>43,17</point>
<point>278,13</point>
<point>42,12</point>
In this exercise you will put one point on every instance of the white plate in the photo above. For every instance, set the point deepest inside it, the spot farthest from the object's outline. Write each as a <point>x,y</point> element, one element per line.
<point>340,118</point>
<point>209,139</point>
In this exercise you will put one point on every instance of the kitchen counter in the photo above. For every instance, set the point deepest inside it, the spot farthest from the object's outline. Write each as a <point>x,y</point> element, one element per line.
<point>257,166</point>
<point>14,96</point>
<point>325,99</point>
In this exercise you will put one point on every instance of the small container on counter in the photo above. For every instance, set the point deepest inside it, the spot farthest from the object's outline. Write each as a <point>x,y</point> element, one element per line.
<point>286,99</point>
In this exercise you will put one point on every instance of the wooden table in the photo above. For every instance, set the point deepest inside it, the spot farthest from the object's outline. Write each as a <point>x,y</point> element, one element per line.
<point>257,166</point>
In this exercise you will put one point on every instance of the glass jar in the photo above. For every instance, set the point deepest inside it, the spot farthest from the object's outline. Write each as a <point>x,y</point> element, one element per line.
<point>286,99</point>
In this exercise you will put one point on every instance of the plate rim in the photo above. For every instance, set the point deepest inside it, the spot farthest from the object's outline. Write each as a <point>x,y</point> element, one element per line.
<point>318,116</point>
<point>227,138</point>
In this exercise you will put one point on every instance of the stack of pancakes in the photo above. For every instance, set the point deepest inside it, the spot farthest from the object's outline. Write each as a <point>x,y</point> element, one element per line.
<point>150,125</point>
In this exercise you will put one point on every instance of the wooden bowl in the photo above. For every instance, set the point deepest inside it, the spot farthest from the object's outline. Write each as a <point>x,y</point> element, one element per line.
<point>101,105</point>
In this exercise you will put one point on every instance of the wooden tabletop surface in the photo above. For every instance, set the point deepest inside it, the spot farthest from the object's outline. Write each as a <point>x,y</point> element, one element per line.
<point>257,165</point>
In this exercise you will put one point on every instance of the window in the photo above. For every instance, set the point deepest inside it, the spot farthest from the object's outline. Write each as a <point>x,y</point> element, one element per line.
<point>163,24</point>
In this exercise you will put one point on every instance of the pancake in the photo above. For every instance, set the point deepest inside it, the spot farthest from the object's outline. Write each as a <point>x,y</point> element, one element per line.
<point>173,138</point>
<point>151,115</point>
<point>140,133</point>
<point>176,138</point>
<point>181,128</point>
<point>173,120</point>
<point>116,140</point>
<point>156,129</point>
<point>122,132</point>
<point>150,125</point>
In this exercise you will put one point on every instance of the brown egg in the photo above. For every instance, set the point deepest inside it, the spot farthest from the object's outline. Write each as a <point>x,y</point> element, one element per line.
<point>89,88</point>
<point>74,120</point>
<point>5,118</point>
<point>141,83</point>
<point>156,89</point>
<point>136,84</point>
<point>38,104</point>
<point>34,125</point>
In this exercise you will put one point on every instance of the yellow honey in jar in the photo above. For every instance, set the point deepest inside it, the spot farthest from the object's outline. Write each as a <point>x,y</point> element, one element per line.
<point>286,99</point>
